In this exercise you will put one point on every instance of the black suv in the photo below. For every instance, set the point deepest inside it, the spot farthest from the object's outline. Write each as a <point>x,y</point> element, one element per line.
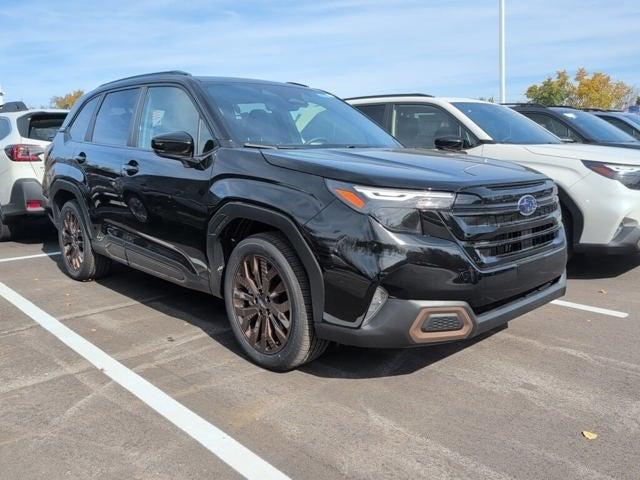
<point>573,125</point>
<point>309,219</point>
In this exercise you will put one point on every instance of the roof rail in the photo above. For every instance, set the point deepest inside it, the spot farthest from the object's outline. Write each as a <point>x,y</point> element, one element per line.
<point>593,109</point>
<point>298,84</point>
<point>524,104</point>
<point>391,95</point>
<point>167,72</point>
<point>13,107</point>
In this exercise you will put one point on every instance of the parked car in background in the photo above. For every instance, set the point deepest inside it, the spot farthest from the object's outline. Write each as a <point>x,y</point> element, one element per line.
<point>309,219</point>
<point>625,121</point>
<point>574,125</point>
<point>24,134</point>
<point>599,186</point>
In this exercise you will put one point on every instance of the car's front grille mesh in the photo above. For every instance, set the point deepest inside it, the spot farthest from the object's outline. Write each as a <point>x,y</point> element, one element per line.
<point>488,223</point>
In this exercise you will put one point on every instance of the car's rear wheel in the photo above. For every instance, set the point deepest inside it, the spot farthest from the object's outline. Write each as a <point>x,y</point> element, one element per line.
<point>269,303</point>
<point>78,258</point>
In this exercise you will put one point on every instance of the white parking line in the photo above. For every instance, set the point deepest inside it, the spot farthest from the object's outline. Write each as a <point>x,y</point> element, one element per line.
<point>27,257</point>
<point>588,308</point>
<point>230,451</point>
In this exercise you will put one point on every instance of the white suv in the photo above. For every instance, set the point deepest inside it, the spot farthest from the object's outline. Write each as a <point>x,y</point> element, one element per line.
<point>24,134</point>
<point>599,186</point>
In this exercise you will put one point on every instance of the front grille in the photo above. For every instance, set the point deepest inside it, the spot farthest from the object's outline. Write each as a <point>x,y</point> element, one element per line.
<point>488,224</point>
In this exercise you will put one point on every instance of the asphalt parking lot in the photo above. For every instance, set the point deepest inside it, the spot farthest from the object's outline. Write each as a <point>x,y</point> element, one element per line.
<point>510,405</point>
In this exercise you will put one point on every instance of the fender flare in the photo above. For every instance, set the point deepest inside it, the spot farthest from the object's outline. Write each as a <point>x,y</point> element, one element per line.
<point>235,210</point>
<point>61,185</point>
<point>577,218</point>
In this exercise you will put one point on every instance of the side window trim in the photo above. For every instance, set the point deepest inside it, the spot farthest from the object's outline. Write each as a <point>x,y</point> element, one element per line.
<point>469,133</point>
<point>89,133</point>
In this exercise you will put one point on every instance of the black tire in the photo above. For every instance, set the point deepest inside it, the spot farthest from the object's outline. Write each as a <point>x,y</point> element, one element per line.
<point>302,344</point>
<point>6,231</point>
<point>92,265</point>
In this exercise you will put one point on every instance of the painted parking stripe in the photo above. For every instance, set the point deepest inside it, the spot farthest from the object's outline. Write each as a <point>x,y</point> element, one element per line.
<point>230,451</point>
<point>27,257</point>
<point>588,308</point>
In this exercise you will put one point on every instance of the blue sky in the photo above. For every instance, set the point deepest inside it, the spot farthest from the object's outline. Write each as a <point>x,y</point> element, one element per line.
<point>349,47</point>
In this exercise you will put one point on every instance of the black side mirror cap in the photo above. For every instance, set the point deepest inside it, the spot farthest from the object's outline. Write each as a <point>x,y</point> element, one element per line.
<point>450,142</point>
<point>177,145</point>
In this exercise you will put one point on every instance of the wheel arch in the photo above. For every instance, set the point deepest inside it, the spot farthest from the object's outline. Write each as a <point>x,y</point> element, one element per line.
<point>577,218</point>
<point>60,192</point>
<point>232,212</point>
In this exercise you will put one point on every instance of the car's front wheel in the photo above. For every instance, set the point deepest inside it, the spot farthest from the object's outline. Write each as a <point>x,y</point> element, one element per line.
<point>78,258</point>
<point>268,302</point>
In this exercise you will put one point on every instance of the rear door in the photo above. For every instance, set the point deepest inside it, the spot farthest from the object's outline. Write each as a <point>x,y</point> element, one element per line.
<point>102,155</point>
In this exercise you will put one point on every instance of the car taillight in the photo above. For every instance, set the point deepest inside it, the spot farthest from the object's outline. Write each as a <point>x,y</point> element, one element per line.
<point>24,153</point>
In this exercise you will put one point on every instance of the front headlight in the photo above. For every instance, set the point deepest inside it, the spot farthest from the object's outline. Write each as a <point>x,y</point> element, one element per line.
<point>628,175</point>
<point>397,209</point>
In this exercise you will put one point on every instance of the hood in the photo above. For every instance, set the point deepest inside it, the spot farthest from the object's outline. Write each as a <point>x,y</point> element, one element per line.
<point>596,153</point>
<point>401,168</point>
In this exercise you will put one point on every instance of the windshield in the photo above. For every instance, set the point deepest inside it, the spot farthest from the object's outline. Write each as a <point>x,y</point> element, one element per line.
<point>595,127</point>
<point>292,117</point>
<point>504,125</point>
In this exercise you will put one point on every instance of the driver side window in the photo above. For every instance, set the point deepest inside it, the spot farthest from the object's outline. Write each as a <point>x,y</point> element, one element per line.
<point>166,110</point>
<point>420,125</point>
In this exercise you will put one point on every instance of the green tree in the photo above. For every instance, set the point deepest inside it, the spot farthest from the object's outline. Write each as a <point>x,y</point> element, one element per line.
<point>66,101</point>
<point>553,91</point>
<point>596,90</point>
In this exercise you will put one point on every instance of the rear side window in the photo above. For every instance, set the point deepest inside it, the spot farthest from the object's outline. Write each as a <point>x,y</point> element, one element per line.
<point>374,112</point>
<point>113,122</point>
<point>5,127</point>
<point>78,129</point>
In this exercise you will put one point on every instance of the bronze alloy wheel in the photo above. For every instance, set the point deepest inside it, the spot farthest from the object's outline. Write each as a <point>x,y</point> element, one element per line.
<point>72,240</point>
<point>262,304</point>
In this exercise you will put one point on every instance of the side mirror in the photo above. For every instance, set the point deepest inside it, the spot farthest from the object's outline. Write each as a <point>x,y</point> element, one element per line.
<point>450,142</point>
<point>177,145</point>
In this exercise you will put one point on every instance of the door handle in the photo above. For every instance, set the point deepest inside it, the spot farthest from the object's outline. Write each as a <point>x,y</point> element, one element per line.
<point>131,168</point>
<point>81,157</point>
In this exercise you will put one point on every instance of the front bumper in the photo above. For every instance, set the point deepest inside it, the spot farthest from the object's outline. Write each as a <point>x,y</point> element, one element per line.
<point>624,243</point>
<point>24,191</point>
<point>401,323</point>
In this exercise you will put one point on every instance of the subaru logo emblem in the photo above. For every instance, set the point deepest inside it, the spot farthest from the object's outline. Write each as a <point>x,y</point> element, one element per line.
<point>527,205</point>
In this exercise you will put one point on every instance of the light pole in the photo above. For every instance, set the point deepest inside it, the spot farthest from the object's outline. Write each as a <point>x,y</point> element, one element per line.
<point>503,89</point>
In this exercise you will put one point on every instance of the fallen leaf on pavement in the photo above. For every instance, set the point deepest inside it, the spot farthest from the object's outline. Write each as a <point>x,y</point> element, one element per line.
<point>589,435</point>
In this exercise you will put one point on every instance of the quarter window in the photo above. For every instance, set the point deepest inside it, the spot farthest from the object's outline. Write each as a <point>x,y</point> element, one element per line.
<point>166,110</point>
<point>113,122</point>
<point>420,125</point>
<point>78,129</point>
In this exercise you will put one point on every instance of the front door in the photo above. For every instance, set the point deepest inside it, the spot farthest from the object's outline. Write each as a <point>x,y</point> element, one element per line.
<point>166,199</point>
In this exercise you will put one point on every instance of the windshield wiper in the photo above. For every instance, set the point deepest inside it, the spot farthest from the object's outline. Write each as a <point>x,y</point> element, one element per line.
<point>258,145</point>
